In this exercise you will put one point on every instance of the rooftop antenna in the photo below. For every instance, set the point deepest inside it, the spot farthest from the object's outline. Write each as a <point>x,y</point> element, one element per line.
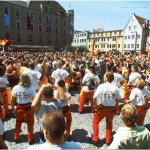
<point>70,5</point>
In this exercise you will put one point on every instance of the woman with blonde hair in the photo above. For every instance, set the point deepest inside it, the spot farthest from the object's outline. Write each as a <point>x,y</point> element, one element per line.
<point>65,97</point>
<point>23,93</point>
<point>139,97</point>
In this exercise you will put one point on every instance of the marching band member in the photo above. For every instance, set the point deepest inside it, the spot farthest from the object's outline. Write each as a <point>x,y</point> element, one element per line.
<point>59,74</point>
<point>64,97</point>
<point>88,92</point>
<point>138,97</point>
<point>23,93</point>
<point>105,100</point>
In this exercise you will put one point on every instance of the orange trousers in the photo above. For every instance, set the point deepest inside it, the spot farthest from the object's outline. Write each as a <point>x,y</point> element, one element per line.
<point>83,99</point>
<point>24,113</point>
<point>101,113</point>
<point>141,115</point>
<point>67,114</point>
<point>1,114</point>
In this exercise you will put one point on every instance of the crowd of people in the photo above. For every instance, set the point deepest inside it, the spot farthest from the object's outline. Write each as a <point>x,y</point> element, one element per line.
<point>104,80</point>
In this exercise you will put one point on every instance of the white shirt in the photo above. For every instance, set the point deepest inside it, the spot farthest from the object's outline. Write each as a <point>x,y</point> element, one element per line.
<point>87,78</point>
<point>23,95</point>
<point>65,145</point>
<point>117,79</point>
<point>133,77</point>
<point>59,74</point>
<point>139,96</point>
<point>3,82</point>
<point>65,102</point>
<point>39,67</point>
<point>2,130</point>
<point>34,77</point>
<point>107,93</point>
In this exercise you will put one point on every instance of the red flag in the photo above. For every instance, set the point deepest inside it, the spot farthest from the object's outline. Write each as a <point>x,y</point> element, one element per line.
<point>9,48</point>
<point>45,79</point>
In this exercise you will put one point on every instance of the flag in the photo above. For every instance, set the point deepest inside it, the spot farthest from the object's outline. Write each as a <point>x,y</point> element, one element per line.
<point>48,26</point>
<point>44,79</point>
<point>93,48</point>
<point>10,48</point>
<point>6,20</point>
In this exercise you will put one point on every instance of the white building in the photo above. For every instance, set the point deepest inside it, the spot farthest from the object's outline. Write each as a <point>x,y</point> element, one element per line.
<point>134,34</point>
<point>80,38</point>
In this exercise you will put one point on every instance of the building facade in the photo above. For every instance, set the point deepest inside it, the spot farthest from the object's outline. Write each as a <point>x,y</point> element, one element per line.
<point>42,23</point>
<point>135,33</point>
<point>106,40</point>
<point>80,38</point>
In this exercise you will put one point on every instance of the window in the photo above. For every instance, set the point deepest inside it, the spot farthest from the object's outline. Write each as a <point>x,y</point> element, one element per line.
<point>40,38</point>
<point>132,45</point>
<point>137,45</point>
<point>28,15</point>
<point>50,19</point>
<point>118,45</point>
<point>18,25</point>
<point>125,46</point>
<point>40,28</point>
<point>5,10</point>
<point>64,22</point>
<point>129,37</point>
<point>56,30</point>
<point>45,9</point>
<point>18,37</point>
<point>138,36</point>
<point>113,45</point>
<point>133,36</point>
<point>125,37</point>
<point>129,27</point>
<point>118,38</point>
<point>128,45</point>
<point>32,26</point>
<point>56,20</point>
<point>30,37</point>
<point>135,27</point>
<point>114,38</point>
<point>48,39</point>
<point>65,31</point>
<point>56,40</point>
<point>31,15</point>
<point>17,12</point>
<point>40,17</point>
<point>46,18</point>
<point>108,46</point>
<point>7,35</point>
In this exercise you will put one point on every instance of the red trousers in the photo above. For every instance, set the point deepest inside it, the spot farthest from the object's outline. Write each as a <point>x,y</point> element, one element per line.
<point>141,115</point>
<point>24,113</point>
<point>101,113</point>
<point>86,95</point>
<point>67,114</point>
<point>1,114</point>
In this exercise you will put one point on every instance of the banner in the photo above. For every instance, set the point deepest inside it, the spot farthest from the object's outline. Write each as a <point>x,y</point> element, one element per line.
<point>6,20</point>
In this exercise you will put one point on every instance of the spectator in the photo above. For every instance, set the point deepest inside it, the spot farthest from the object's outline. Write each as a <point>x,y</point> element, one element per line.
<point>130,136</point>
<point>52,104</point>
<point>53,123</point>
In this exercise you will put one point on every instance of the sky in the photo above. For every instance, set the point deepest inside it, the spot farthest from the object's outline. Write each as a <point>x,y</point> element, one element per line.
<point>111,15</point>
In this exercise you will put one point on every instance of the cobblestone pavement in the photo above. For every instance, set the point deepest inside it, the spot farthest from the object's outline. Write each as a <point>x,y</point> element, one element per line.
<point>81,130</point>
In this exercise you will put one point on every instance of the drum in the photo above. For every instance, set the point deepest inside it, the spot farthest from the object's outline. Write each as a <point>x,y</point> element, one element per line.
<point>6,93</point>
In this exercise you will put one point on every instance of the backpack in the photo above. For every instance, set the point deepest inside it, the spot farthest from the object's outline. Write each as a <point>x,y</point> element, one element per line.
<point>91,85</point>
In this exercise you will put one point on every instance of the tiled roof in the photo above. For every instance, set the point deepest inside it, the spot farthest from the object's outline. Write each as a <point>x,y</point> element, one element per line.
<point>140,20</point>
<point>19,3</point>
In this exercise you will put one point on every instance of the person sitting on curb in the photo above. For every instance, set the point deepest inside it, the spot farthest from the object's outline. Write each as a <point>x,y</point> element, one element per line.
<point>130,136</point>
<point>53,123</point>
